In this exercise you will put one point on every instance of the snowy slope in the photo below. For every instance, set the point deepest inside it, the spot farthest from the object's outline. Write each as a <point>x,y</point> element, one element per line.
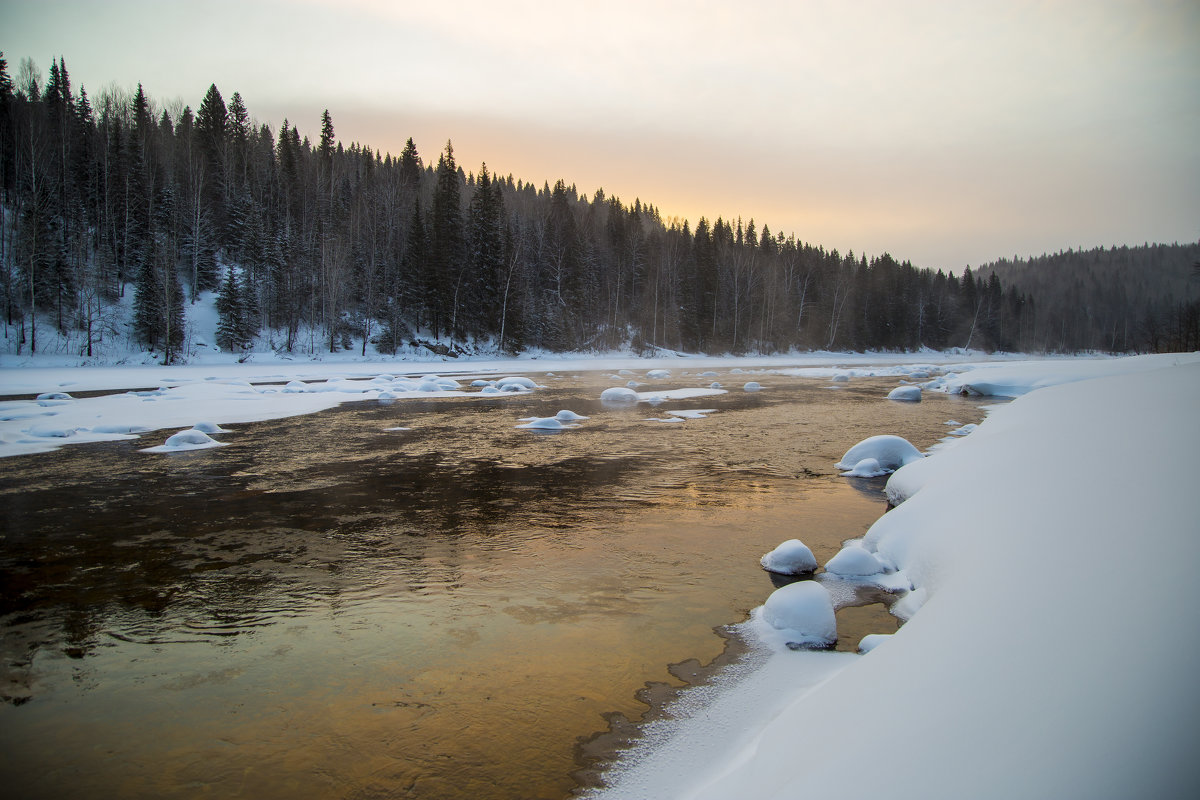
<point>1057,653</point>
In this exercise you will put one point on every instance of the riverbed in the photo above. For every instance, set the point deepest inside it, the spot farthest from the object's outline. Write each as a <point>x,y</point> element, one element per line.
<point>414,598</point>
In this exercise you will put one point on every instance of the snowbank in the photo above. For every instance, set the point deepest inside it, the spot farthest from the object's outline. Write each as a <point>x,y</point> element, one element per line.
<point>1038,665</point>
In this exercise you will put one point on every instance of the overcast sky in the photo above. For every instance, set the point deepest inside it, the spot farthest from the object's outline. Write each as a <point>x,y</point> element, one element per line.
<point>947,133</point>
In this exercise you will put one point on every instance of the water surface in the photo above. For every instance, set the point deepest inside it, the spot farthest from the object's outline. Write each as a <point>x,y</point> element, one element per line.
<point>325,608</point>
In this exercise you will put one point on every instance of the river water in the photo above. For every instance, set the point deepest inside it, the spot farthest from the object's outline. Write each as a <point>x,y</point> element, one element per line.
<point>326,608</point>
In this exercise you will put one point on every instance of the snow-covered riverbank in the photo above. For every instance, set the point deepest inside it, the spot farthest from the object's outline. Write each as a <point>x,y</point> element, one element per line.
<point>1056,653</point>
<point>226,391</point>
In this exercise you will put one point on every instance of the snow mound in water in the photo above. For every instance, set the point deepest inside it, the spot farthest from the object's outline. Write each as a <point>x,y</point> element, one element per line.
<point>545,424</point>
<point>790,558</point>
<point>516,381</point>
<point>854,562</point>
<point>867,468</point>
<point>892,452</point>
<point>803,611</point>
<point>907,394</point>
<point>619,396</point>
<point>190,439</point>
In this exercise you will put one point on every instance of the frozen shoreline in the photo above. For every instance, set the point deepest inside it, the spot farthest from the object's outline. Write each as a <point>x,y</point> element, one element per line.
<point>225,391</point>
<point>1055,655</point>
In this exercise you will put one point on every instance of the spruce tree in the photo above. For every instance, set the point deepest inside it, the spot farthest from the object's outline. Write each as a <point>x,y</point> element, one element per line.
<point>446,245</point>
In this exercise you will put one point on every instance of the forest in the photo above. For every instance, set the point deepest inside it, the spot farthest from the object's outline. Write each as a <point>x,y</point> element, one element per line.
<point>119,211</point>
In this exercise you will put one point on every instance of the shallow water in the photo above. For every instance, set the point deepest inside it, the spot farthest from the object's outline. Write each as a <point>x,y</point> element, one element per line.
<point>324,608</point>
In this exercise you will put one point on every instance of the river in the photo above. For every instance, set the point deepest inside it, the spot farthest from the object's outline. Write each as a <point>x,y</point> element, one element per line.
<point>326,608</point>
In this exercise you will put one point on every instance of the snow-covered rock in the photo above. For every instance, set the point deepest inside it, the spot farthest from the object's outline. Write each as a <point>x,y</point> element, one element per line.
<point>866,468</point>
<point>567,415</point>
<point>517,381</point>
<point>752,386</point>
<point>619,396</point>
<point>545,424</point>
<point>907,394</point>
<point>793,557</point>
<point>190,439</point>
<point>854,561</point>
<point>804,612</point>
<point>891,452</point>
<point>209,427</point>
<point>658,374</point>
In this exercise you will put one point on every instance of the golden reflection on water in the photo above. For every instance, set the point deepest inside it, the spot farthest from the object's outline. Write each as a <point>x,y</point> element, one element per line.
<point>325,608</point>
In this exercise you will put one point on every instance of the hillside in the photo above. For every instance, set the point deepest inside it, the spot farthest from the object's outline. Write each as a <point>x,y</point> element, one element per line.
<point>1118,299</point>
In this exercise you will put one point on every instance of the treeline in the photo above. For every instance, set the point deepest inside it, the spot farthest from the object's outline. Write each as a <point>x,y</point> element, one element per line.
<point>322,245</point>
<point>1118,299</point>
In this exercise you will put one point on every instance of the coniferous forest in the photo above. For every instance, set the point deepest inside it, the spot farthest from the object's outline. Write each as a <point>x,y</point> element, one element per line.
<point>119,212</point>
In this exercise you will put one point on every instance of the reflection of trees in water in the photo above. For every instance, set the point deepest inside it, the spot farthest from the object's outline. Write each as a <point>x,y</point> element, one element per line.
<point>167,558</point>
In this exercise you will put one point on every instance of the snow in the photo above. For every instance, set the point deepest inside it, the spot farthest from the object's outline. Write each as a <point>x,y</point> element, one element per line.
<point>693,413</point>
<point>866,468</point>
<point>619,396</point>
<point>793,557</point>
<point>872,640</point>
<point>658,374</point>
<point>752,386</point>
<point>566,415</point>
<point>803,613</point>
<point>1033,664</point>
<point>546,424</point>
<point>854,561</point>
<point>906,394</point>
<point>888,452</point>
<point>191,439</point>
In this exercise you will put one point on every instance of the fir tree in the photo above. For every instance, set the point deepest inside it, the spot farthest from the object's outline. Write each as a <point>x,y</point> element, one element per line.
<point>231,314</point>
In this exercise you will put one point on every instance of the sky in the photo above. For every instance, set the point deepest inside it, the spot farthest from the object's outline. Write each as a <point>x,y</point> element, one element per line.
<point>945,133</point>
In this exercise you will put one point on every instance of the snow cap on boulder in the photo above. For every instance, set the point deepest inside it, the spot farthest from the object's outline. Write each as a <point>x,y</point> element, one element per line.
<point>790,558</point>
<point>892,452</point>
<point>804,611</point>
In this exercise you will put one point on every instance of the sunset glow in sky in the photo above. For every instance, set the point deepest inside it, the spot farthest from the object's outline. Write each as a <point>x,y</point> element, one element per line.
<point>947,133</point>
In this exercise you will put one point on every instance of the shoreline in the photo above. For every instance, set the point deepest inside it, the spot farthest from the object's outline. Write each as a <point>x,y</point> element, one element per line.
<point>1035,506</point>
